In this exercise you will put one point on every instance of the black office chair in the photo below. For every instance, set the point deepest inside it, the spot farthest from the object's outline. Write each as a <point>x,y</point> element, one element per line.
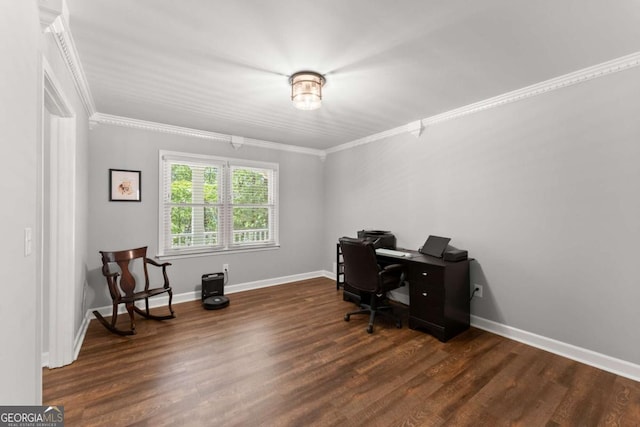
<point>362,272</point>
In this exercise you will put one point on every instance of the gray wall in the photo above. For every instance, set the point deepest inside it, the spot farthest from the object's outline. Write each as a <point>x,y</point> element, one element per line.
<point>20,305</point>
<point>122,225</point>
<point>545,195</point>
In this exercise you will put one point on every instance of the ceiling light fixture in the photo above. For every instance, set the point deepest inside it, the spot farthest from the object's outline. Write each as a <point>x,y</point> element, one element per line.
<point>306,90</point>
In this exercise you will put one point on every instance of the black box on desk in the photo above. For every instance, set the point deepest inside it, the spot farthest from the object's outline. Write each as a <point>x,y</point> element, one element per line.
<point>455,255</point>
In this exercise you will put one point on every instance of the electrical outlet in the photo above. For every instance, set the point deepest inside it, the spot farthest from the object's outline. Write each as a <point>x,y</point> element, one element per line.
<point>225,267</point>
<point>478,289</point>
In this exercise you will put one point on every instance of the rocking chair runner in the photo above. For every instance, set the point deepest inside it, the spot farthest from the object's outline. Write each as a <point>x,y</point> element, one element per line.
<point>123,290</point>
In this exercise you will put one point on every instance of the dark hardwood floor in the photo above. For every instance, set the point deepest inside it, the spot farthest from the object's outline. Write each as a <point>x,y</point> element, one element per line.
<point>284,356</point>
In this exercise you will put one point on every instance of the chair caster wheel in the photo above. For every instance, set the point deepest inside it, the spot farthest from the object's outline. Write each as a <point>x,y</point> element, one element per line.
<point>370,329</point>
<point>346,317</point>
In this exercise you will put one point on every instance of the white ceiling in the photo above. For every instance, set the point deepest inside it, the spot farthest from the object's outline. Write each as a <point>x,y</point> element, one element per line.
<point>223,66</point>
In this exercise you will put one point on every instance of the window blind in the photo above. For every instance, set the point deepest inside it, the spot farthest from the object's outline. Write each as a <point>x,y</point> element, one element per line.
<point>214,204</point>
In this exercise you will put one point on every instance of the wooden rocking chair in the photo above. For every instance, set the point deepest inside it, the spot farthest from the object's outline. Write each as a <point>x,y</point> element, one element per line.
<point>123,291</point>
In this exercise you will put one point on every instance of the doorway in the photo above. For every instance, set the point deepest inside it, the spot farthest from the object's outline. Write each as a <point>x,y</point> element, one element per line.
<point>57,217</point>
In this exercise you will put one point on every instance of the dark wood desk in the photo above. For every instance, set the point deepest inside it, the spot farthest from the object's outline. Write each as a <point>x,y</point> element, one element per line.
<point>439,292</point>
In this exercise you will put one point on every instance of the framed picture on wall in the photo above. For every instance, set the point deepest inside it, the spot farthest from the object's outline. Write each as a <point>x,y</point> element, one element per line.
<point>124,185</point>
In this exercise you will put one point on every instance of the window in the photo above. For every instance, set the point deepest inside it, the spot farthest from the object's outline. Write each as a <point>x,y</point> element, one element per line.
<point>210,204</point>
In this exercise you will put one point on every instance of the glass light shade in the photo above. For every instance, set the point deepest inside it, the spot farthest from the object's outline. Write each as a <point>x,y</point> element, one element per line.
<point>306,90</point>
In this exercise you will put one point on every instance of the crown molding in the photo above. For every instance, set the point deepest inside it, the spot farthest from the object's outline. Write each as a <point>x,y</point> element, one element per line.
<point>49,10</point>
<point>237,142</point>
<point>415,128</point>
<point>580,76</point>
<point>368,139</point>
<point>127,122</point>
<point>52,20</point>
<point>284,147</point>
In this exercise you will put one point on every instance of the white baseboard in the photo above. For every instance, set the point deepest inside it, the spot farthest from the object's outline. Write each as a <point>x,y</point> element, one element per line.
<point>579,354</point>
<point>589,357</point>
<point>77,342</point>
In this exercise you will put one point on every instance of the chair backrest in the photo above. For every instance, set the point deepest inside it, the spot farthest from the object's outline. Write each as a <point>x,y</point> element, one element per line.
<point>123,259</point>
<point>360,264</point>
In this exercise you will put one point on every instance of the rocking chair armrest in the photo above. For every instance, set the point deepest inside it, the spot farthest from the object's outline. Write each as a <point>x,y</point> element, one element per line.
<point>157,264</point>
<point>164,266</point>
<point>106,273</point>
<point>112,280</point>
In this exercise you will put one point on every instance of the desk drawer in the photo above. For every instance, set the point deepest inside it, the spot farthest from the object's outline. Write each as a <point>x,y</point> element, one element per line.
<point>429,276</point>
<point>427,280</point>
<point>427,294</point>
<point>427,303</point>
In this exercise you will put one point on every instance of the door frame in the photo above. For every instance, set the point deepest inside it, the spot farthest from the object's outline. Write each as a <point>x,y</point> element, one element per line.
<point>59,228</point>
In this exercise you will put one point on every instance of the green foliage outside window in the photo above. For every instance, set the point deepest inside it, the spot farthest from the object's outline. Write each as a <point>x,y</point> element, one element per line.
<point>181,192</point>
<point>250,187</point>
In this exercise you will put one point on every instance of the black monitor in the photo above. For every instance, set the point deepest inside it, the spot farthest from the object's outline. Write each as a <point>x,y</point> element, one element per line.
<point>435,246</point>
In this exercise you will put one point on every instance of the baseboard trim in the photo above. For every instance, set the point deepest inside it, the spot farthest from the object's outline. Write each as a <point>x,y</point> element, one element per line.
<point>77,342</point>
<point>272,282</point>
<point>579,354</point>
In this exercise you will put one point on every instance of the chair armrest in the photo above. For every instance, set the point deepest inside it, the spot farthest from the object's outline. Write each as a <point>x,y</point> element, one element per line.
<point>164,266</point>
<point>112,282</point>
<point>110,275</point>
<point>391,269</point>
<point>106,273</point>
<point>154,263</point>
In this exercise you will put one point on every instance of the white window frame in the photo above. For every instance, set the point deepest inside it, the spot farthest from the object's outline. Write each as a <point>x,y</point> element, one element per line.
<point>225,205</point>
